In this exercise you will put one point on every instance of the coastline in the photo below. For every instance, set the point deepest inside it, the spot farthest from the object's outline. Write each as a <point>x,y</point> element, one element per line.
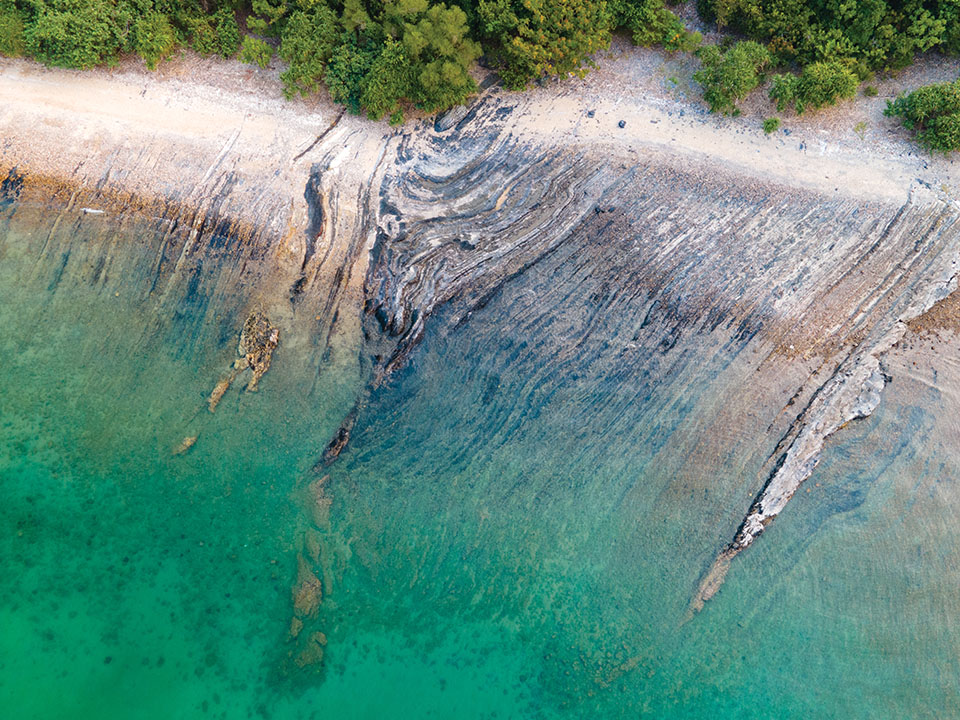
<point>366,220</point>
<point>172,132</point>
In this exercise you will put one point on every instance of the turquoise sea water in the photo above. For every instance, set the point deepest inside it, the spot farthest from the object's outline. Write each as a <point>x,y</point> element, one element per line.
<point>516,527</point>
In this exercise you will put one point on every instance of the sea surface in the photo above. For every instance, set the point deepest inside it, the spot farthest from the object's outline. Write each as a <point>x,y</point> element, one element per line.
<point>515,530</point>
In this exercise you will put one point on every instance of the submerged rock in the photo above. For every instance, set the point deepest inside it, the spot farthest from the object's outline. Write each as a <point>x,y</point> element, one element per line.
<point>258,340</point>
<point>308,592</point>
<point>185,445</point>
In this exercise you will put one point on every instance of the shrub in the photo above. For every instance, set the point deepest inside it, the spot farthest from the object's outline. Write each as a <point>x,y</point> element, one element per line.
<point>544,37</point>
<point>11,32</point>
<point>216,34</point>
<point>651,23</point>
<point>346,72</point>
<point>871,91</point>
<point>879,34</point>
<point>771,125</point>
<point>153,38</point>
<point>75,33</point>
<point>226,33</point>
<point>255,51</point>
<point>729,76</point>
<point>390,79</point>
<point>932,112</point>
<point>307,43</point>
<point>819,84</point>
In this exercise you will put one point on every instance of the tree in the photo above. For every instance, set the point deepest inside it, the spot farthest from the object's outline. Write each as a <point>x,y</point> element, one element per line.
<point>347,70</point>
<point>880,34</point>
<point>11,30</point>
<point>215,34</point>
<point>74,33</point>
<point>308,41</point>
<point>435,42</point>
<point>545,37</point>
<point>650,23</point>
<point>391,79</point>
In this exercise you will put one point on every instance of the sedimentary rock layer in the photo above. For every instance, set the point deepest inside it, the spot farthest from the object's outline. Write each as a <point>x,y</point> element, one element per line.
<point>817,280</point>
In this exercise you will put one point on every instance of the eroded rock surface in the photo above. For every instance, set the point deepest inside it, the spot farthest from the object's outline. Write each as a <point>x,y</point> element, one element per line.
<point>816,283</point>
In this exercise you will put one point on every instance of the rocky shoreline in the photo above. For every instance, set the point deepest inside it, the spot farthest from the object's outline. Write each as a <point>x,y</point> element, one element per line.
<point>805,265</point>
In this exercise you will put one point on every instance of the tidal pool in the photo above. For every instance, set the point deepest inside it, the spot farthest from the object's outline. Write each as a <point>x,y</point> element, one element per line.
<point>515,530</point>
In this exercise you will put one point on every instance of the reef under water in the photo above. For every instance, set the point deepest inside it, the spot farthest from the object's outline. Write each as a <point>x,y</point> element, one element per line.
<point>520,484</point>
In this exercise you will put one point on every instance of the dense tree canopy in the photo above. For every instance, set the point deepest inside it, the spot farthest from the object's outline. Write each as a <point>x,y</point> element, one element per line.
<point>85,33</point>
<point>880,34</point>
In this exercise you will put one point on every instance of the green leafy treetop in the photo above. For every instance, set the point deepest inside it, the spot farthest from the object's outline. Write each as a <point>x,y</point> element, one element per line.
<point>545,37</point>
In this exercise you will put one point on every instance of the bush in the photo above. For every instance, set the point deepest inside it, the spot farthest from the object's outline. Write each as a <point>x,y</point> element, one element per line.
<point>871,91</point>
<point>217,34</point>
<point>880,34</point>
<point>255,51</point>
<point>932,112</point>
<point>153,38</point>
<point>307,43</point>
<point>390,79</point>
<point>819,84</point>
<point>651,23</point>
<point>771,125</point>
<point>348,68</point>
<point>729,76</point>
<point>226,33</point>
<point>441,54</point>
<point>75,33</point>
<point>11,32</point>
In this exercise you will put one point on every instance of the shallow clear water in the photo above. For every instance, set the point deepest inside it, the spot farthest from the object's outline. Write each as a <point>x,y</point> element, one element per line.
<point>516,527</point>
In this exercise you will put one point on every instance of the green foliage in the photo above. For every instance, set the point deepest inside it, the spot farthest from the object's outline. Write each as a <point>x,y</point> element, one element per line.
<point>545,37</point>
<point>651,23</point>
<point>410,50</point>
<point>390,79</point>
<point>226,33</point>
<point>153,38</point>
<point>308,42</point>
<point>435,44</point>
<point>74,33</point>
<point>255,51</point>
<point>348,68</point>
<point>11,32</point>
<point>932,112</point>
<point>379,56</point>
<point>819,84</point>
<point>265,14</point>
<point>871,91</point>
<point>880,34</point>
<point>771,125</point>
<point>729,76</point>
